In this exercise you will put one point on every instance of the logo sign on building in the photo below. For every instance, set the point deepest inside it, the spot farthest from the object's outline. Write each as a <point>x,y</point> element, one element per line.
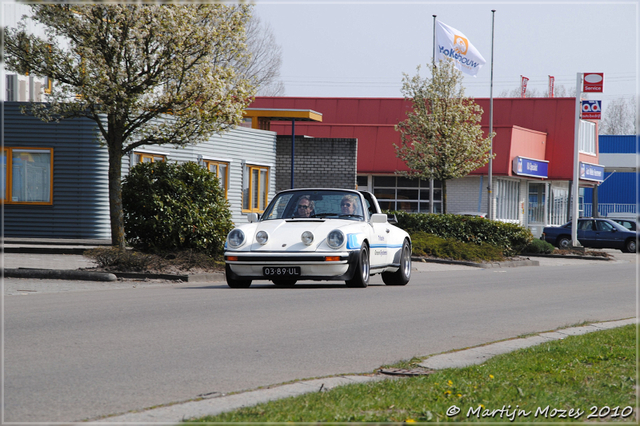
<point>523,166</point>
<point>590,171</point>
<point>591,110</point>
<point>593,82</point>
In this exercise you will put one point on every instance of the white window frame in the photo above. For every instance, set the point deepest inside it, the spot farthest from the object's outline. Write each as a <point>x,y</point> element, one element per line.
<point>507,194</point>
<point>587,137</point>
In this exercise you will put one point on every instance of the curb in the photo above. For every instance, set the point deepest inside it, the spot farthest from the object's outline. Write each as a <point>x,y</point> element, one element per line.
<point>58,274</point>
<point>479,354</point>
<point>188,278</point>
<point>569,256</point>
<point>46,250</point>
<point>505,264</point>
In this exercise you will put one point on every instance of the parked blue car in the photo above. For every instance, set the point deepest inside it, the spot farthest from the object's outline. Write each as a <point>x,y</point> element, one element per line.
<point>593,233</point>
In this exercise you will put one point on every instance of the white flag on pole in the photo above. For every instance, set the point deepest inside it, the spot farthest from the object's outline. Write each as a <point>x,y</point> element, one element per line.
<point>452,44</point>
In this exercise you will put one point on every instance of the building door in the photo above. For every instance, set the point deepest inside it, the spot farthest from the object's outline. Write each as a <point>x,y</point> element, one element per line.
<point>537,202</point>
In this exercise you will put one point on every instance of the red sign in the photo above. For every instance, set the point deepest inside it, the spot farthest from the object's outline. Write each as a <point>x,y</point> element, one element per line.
<point>593,82</point>
<point>523,86</point>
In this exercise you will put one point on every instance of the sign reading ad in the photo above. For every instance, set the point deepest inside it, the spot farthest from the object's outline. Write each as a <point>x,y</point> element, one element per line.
<point>593,172</point>
<point>591,110</point>
<point>593,82</point>
<point>523,166</point>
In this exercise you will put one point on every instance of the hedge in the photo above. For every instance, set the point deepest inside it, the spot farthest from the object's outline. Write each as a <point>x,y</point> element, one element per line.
<point>511,238</point>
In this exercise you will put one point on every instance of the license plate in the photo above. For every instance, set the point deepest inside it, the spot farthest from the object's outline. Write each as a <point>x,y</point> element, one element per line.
<point>281,271</point>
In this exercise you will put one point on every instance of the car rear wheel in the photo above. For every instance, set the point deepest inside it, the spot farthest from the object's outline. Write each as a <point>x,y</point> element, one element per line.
<point>563,242</point>
<point>234,283</point>
<point>285,283</point>
<point>361,277</point>
<point>630,246</point>
<point>403,274</point>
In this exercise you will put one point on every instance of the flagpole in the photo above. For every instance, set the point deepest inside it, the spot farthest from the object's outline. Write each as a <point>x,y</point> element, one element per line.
<point>433,61</point>
<point>433,58</point>
<point>490,188</point>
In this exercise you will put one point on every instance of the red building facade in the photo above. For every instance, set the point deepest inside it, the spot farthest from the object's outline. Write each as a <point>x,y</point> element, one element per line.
<point>537,132</point>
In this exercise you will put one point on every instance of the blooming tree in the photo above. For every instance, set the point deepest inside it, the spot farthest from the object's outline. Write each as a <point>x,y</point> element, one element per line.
<point>441,138</point>
<point>127,66</point>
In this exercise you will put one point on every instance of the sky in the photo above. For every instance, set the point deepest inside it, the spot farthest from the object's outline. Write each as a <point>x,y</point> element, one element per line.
<point>362,48</point>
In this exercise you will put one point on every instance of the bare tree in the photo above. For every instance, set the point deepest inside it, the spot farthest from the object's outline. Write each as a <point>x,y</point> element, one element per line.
<point>559,92</point>
<point>266,59</point>
<point>619,117</point>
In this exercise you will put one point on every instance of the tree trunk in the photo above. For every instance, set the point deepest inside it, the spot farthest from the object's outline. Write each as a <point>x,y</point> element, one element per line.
<point>114,145</point>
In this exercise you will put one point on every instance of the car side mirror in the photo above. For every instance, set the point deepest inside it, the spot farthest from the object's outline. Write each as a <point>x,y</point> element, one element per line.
<point>392,219</point>
<point>378,218</point>
<point>252,217</point>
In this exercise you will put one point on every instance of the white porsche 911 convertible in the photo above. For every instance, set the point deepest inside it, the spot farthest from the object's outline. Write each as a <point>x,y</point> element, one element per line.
<point>318,234</point>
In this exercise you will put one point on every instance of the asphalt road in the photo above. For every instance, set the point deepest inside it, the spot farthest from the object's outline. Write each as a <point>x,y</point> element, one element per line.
<point>77,355</point>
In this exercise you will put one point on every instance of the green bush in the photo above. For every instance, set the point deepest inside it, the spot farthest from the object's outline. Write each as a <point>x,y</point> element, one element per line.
<point>509,237</point>
<point>425,244</point>
<point>538,246</point>
<point>174,207</point>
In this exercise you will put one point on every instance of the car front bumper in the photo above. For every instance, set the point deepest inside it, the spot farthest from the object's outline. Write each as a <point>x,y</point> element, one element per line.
<point>313,266</point>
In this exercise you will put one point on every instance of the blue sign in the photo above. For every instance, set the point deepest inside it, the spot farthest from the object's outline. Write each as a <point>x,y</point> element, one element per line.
<point>593,172</point>
<point>523,166</point>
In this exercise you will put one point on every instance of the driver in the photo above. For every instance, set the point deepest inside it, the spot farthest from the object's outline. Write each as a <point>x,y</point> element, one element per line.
<point>348,205</point>
<point>305,207</point>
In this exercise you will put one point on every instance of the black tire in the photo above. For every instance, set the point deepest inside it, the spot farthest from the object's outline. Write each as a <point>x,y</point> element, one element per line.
<point>284,283</point>
<point>630,246</point>
<point>563,242</point>
<point>403,274</point>
<point>361,277</point>
<point>233,283</point>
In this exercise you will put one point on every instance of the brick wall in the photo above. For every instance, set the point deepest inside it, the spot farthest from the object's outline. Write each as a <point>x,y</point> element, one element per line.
<point>319,163</point>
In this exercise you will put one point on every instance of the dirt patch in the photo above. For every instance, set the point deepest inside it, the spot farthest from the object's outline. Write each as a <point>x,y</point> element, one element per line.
<point>114,260</point>
<point>582,253</point>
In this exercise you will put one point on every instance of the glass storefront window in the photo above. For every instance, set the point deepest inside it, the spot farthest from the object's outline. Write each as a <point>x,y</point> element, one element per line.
<point>410,195</point>
<point>537,202</point>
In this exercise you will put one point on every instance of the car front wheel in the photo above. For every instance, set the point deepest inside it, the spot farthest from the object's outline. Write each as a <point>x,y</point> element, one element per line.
<point>234,283</point>
<point>630,246</point>
<point>403,274</point>
<point>361,276</point>
<point>563,242</point>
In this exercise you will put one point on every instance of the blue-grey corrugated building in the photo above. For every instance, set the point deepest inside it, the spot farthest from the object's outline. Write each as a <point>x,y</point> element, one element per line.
<point>55,174</point>
<point>619,191</point>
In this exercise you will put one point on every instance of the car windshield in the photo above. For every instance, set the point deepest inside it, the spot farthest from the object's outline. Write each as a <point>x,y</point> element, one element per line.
<point>310,204</point>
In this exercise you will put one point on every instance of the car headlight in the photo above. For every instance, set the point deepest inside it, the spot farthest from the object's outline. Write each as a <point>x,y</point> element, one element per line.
<point>262,237</point>
<point>307,237</point>
<point>236,238</point>
<point>335,239</point>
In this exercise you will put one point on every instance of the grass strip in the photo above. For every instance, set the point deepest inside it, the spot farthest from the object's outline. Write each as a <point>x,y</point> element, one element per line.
<point>584,378</point>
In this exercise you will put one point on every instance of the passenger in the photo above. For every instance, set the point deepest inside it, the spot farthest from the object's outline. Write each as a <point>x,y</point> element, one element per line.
<point>305,207</point>
<point>348,205</point>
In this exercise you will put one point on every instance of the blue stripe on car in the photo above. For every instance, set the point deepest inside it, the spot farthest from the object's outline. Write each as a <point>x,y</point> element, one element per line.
<point>354,241</point>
